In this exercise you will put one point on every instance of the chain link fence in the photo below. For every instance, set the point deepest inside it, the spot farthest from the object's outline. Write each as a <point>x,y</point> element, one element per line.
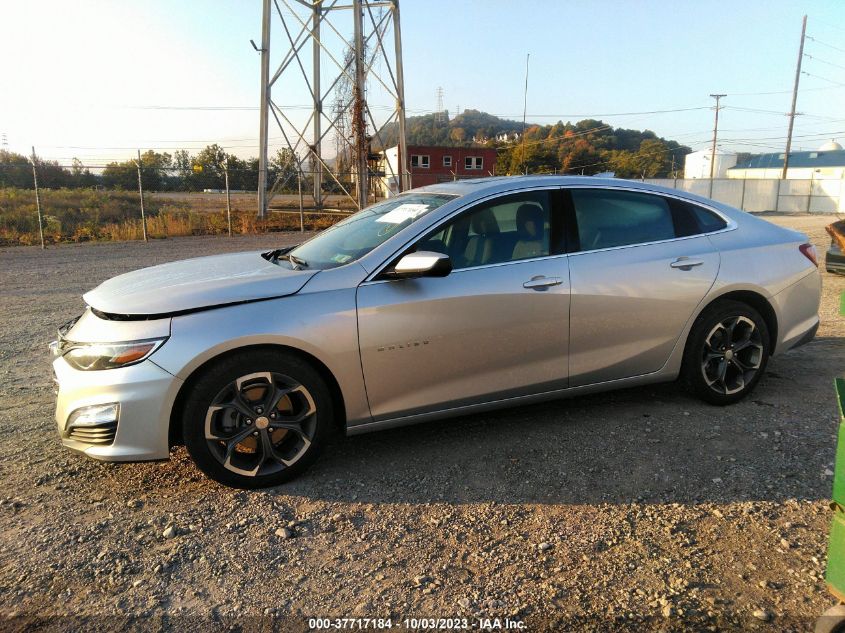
<point>45,202</point>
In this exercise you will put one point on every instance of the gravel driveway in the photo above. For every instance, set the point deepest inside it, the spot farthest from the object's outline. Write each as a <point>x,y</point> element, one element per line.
<point>639,509</point>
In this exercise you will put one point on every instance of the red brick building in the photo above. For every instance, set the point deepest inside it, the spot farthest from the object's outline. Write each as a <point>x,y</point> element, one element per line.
<point>430,164</point>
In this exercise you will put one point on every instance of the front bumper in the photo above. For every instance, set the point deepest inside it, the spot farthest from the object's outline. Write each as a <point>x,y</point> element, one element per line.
<point>145,394</point>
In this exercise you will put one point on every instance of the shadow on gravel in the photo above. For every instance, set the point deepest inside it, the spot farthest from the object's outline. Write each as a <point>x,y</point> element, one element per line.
<point>651,445</point>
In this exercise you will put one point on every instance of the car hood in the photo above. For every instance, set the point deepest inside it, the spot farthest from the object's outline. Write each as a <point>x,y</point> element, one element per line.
<point>195,284</point>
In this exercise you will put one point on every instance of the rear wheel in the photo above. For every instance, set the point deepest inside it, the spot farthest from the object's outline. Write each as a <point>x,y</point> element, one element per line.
<point>727,352</point>
<point>257,419</point>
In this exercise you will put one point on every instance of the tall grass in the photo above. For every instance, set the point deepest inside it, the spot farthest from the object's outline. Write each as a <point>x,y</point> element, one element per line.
<point>72,215</point>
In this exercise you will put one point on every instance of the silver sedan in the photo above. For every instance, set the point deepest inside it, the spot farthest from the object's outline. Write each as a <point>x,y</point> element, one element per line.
<point>442,301</point>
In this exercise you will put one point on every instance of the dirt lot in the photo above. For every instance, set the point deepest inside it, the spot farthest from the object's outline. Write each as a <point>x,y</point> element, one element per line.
<point>640,509</point>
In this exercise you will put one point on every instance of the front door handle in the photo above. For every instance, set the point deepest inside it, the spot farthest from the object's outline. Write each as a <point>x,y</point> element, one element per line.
<point>685,263</point>
<point>540,282</point>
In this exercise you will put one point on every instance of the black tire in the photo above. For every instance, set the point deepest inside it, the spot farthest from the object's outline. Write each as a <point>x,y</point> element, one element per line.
<point>719,365</point>
<point>236,385</point>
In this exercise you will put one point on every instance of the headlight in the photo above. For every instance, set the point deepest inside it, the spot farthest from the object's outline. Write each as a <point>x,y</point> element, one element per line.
<point>92,356</point>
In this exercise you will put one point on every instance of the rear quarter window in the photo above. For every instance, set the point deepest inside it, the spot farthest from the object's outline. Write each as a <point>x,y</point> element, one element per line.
<point>707,220</point>
<point>691,219</point>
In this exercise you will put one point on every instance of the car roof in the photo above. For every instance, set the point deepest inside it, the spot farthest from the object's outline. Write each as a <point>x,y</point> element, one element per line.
<point>480,187</point>
<point>495,184</point>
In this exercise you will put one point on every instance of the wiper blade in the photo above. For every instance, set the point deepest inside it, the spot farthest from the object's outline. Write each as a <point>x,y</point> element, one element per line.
<point>275,255</point>
<point>297,260</point>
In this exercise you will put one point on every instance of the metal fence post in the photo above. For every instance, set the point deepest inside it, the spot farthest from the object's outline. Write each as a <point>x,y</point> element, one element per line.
<point>742,197</point>
<point>301,213</point>
<point>141,193</point>
<point>810,192</point>
<point>37,200</point>
<point>228,197</point>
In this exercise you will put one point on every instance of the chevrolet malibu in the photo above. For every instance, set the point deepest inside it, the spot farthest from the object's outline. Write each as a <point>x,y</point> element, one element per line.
<point>451,299</point>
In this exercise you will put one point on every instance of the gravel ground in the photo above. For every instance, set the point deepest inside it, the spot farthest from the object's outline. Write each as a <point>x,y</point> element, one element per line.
<point>639,509</point>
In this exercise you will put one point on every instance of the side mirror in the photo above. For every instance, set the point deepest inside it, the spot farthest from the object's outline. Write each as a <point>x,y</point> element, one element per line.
<point>422,264</point>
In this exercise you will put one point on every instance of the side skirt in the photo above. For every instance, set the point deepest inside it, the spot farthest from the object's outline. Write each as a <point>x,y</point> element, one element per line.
<point>656,377</point>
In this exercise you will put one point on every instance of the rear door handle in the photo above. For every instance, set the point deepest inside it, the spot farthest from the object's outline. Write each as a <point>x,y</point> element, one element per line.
<point>540,282</point>
<point>685,263</point>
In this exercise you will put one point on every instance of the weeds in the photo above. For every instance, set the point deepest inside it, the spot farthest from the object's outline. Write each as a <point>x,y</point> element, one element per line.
<point>74,215</point>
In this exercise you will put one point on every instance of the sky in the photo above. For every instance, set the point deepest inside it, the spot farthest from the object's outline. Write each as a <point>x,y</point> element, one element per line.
<point>98,79</point>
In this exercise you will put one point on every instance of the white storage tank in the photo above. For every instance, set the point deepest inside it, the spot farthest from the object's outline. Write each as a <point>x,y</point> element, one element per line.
<point>697,164</point>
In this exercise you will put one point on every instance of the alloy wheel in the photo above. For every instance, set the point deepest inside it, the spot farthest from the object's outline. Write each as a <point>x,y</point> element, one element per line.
<point>732,355</point>
<point>260,424</point>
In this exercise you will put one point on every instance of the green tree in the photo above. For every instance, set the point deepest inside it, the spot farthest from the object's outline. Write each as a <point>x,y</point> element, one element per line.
<point>120,175</point>
<point>81,175</point>
<point>15,170</point>
<point>580,156</point>
<point>212,160</point>
<point>284,169</point>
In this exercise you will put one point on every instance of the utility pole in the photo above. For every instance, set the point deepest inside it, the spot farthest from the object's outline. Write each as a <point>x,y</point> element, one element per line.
<point>794,99</point>
<point>524,111</point>
<point>265,104</point>
<point>715,135</point>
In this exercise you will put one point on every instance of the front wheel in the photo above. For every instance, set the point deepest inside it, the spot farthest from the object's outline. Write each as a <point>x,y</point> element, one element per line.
<point>257,419</point>
<point>727,352</point>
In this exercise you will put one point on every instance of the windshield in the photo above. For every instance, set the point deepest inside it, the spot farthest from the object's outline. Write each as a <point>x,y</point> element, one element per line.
<point>358,234</point>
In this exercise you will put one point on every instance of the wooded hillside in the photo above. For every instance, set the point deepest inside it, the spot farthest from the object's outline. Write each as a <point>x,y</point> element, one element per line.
<point>589,146</point>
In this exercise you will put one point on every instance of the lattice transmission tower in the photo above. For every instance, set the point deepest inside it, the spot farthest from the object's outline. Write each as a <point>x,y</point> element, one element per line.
<point>440,113</point>
<point>320,61</point>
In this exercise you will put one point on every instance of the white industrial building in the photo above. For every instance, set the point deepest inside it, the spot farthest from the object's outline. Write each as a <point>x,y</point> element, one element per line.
<point>697,164</point>
<point>827,162</point>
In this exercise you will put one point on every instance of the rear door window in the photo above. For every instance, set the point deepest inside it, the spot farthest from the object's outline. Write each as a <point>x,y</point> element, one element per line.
<point>607,218</point>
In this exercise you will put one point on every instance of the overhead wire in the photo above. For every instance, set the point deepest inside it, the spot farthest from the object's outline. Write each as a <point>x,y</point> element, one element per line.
<point>823,61</point>
<point>818,41</point>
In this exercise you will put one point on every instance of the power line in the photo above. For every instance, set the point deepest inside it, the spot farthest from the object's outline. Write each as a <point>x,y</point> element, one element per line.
<point>781,92</point>
<point>598,114</point>
<point>755,110</point>
<point>777,138</point>
<point>823,61</point>
<point>836,48</point>
<point>214,108</point>
<point>804,72</point>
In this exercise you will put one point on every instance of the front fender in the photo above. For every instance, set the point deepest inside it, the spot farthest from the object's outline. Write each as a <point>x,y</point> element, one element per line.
<point>322,324</point>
